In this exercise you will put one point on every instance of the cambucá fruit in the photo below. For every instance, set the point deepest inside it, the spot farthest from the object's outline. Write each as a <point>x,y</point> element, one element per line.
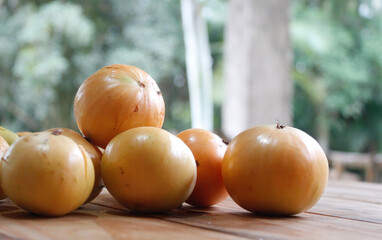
<point>94,154</point>
<point>117,98</point>
<point>208,149</point>
<point>3,147</point>
<point>8,135</point>
<point>275,170</point>
<point>47,174</point>
<point>148,169</point>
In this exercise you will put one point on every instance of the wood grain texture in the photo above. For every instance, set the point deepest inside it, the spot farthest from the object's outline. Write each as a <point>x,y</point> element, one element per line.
<point>346,211</point>
<point>93,221</point>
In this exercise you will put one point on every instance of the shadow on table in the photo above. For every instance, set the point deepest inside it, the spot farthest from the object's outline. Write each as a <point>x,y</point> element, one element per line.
<point>23,215</point>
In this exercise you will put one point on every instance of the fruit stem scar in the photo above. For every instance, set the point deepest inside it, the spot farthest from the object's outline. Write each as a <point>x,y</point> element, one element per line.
<point>280,126</point>
<point>4,160</point>
<point>122,172</point>
<point>225,142</point>
<point>57,132</point>
<point>141,84</point>
<point>197,163</point>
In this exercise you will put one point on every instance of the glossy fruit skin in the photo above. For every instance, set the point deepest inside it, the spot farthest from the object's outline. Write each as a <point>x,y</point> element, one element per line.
<point>20,134</point>
<point>3,147</point>
<point>117,98</point>
<point>275,170</point>
<point>208,149</point>
<point>8,135</point>
<point>47,174</point>
<point>94,154</point>
<point>148,169</point>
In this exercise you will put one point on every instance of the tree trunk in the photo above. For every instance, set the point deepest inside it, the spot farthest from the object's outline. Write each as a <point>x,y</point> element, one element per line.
<point>258,85</point>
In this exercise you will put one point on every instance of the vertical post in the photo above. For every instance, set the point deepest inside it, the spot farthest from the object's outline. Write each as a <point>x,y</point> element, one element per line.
<point>198,63</point>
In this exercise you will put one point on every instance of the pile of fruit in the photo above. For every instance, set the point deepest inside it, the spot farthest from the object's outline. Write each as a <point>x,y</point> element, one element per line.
<point>271,170</point>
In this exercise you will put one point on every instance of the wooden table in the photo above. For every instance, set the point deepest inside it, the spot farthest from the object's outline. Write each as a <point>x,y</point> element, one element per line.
<point>346,211</point>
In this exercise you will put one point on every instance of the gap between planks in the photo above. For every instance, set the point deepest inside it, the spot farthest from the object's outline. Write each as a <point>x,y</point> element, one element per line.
<point>247,236</point>
<point>352,219</point>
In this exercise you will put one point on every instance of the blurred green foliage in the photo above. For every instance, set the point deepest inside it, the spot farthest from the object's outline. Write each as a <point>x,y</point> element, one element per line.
<point>338,71</point>
<point>48,48</point>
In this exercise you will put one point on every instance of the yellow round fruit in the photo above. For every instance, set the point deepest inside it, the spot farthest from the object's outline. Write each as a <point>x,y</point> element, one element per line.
<point>275,170</point>
<point>148,169</point>
<point>3,147</point>
<point>208,149</point>
<point>20,134</point>
<point>8,135</point>
<point>47,174</point>
<point>117,98</point>
<point>94,154</point>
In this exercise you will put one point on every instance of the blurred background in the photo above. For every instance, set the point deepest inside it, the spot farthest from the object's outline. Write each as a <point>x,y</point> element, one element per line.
<point>221,65</point>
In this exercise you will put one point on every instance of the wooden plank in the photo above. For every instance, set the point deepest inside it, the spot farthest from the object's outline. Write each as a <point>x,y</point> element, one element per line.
<point>95,222</point>
<point>371,163</point>
<point>351,158</point>
<point>303,226</point>
<point>339,185</point>
<point>229,218</point>
<point>349,209</point>
<point>334,217</point>
<point>357,191</point>
<point>344,201</point>
<point>354,158</point>
<point>338,208</point>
